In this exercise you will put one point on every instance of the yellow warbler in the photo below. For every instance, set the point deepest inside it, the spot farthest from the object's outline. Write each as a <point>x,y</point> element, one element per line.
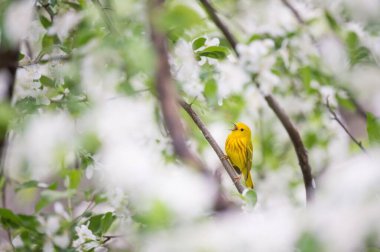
<point>239,150</point>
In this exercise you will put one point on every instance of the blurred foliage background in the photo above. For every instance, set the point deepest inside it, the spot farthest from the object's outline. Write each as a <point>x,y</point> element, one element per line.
<point>87,163</point>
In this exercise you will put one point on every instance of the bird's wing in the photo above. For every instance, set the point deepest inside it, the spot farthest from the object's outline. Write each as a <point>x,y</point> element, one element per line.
<point>248,164</point>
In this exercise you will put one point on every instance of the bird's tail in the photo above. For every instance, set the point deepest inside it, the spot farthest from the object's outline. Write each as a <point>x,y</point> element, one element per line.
<point>248,182</point>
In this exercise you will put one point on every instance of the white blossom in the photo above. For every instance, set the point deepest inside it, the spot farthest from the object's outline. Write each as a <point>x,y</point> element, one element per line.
<point>86,239</point>
<point>231,79</point>
<point>333,55</point>
<point>60,210</point>
<point>267,81</point>
<point>186,69</point>
<point>18,18</point>
<point>47,137</point>
<point>99,73</point>
<point>63,24</point>
<point>251,55</point>
<point>17,242</point>
<point>62,241</point>
<point>209,42</point>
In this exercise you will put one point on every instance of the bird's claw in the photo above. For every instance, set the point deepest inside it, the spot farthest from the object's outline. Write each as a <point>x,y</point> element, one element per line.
<point>225,157</point>
<point>236,179</point>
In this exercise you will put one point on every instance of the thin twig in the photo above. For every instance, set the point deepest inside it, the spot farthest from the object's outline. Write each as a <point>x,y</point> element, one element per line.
<point>43,61</point>
<point>106,17</point>
<point>280,113</point>
<point>336,118</point>
<point>218,22</point>
<point>107,238</point>
<point>359,109</point>
<point>294,11</point>
<point>206,133</point>
<point>49,10</point>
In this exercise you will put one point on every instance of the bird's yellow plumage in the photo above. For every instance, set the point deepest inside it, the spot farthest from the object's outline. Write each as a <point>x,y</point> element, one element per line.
<point>239,150</point>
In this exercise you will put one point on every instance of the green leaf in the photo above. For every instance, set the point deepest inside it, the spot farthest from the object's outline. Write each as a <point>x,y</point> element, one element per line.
<point>199,42</point>
<point>74,178</point>
<point>29,222</point>
<point>345,103</point>
<point>373,129</point>
<point>310,139</point>
<point>91,142</point>
<point>158,217</point>
<point>46,23</point>
<point>41,203</point>
<point>308,243</point>
<point>7,216</point>
<point>10,219</point>
<point>84,33</point>
<point>100,198</point>
<point>107,221</point>
<point>47,41</point>
<point>46,81</point>
<point>181,16</point>
<point>210,89</point>
<point>73,5</point>
<point>6,115</point>
<point>332,22</point>
<point>27,184</point>
<point>53,3</point>
<point>352,40</point>
<point>305,75</point>
<point>250,196</point>
<point>49,196</point>
<point>21,56</point>
<point>216,52</point>
<point>27,105</point>
<point>257,36</point>
<point>99,224</point>
<point>356,51</point>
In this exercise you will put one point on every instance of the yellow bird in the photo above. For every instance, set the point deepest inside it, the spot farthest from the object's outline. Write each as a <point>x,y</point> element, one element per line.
<point>239,150</point>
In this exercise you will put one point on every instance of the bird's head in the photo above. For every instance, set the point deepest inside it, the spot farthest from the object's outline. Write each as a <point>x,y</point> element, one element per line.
<point>241,130</point>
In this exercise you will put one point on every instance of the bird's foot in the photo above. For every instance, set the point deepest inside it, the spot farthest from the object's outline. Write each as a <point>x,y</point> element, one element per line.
<point>237,179</point>
<point>225,157</point>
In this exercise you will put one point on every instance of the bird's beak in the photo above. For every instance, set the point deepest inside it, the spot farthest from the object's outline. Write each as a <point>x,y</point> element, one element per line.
<point>234,128</point>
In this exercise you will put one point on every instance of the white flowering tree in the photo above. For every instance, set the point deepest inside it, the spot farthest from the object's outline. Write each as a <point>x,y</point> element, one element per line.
<point>114,113</point>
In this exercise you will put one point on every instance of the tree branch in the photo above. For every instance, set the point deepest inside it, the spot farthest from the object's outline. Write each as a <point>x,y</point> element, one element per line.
<point>167,95</point>
<point>218,22</point>
<point>298,145</point>
<point>336,118</point>
<point>226,164</point>
<point>280,113</point>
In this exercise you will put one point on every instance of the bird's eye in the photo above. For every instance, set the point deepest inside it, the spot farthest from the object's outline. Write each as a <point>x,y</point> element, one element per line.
<point>241,129</point>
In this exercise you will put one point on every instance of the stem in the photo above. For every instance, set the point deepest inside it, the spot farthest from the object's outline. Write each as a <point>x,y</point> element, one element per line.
<point>206,133</point>
<point>336,118</point>
<point>218,22</point>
